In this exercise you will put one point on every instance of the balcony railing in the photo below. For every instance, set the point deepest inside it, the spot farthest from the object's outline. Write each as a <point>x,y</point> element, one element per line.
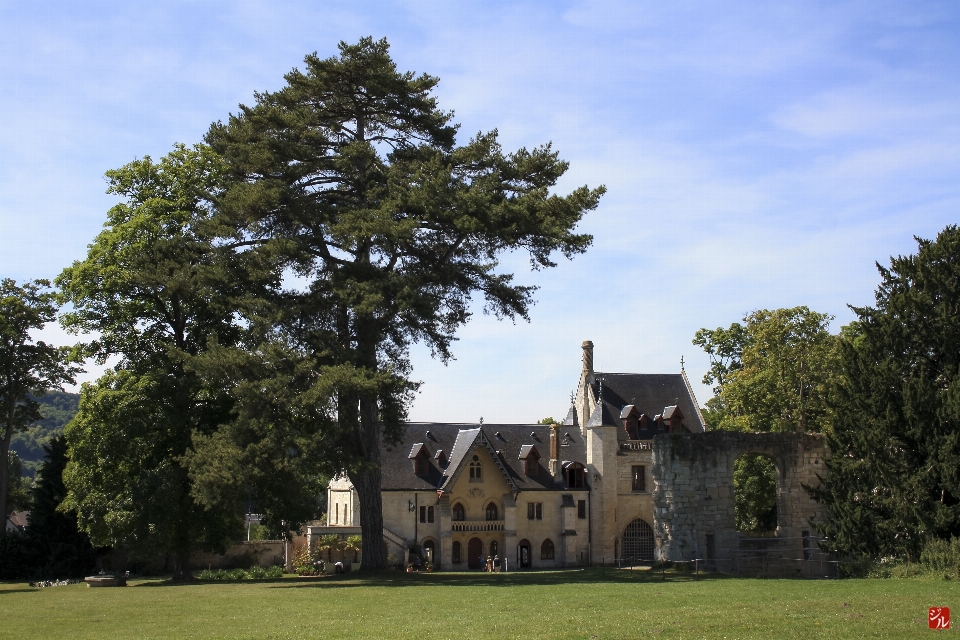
<point>478,525</point>
<point>636,445</point>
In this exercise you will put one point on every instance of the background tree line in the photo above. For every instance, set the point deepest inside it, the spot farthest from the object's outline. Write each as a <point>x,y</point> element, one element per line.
<point>262,291</point>
<point>882,391</point>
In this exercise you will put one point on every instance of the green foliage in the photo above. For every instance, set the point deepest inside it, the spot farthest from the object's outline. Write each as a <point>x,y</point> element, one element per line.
<point>755,493</point>
<point>253,573</point>
<point>776,372</point>
<point>893,478</point>
<point>18,492</point>
<point>350,177</point>
<point>355,544</point>
<point>27,367</point>
<point>57,408</point>
<point>547,420</point>
<point>155,293</point>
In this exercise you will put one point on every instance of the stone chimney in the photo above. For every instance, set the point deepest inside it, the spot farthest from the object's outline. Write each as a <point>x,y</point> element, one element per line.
<point>554,449</point>
<point>587,347</point>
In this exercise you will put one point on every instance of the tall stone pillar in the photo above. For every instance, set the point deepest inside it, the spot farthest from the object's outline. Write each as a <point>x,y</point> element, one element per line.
<point>602,469</point>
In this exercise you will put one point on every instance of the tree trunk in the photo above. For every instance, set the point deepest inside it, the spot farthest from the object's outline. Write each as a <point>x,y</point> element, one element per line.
<point>181,566</point>
<point>5,466</point>
<point>367,485</point>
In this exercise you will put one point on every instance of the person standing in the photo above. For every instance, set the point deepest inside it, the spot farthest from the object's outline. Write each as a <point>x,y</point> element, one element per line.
<point>496,564</point>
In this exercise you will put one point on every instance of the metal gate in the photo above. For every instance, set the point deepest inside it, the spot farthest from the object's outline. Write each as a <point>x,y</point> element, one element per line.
<point>637,541</point>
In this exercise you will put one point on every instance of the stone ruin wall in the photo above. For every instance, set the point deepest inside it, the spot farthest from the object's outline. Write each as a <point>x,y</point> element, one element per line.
<point>693,498</point>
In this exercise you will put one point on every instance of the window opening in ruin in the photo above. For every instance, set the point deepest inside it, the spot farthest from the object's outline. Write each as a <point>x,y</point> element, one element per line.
<point>638,541</point>
<point>755,494</point>
<point>582,509</point>
<point>534,511</point>
<point>475,470</point>
<point>492,512</point>
<point>546,550</point>
<point>806,545</point>
<point>459,513</point>
<point>639,473</point>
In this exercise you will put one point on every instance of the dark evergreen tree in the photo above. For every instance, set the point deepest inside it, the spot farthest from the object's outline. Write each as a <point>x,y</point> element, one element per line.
<point>351,175</point>
<point>59,548</point>
<point>893,476</point>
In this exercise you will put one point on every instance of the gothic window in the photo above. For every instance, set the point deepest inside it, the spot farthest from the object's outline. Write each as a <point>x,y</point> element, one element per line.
<point>534,511</point>
<point>492,512</point>
<point>457,555</point>
<point>459,513</point>
<point>426,515</point>
<point>582,509</point>
<point>476,470</point>
<point>546,550</point>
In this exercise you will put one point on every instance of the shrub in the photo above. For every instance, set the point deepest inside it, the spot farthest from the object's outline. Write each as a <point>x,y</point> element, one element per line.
<point>941,555</point>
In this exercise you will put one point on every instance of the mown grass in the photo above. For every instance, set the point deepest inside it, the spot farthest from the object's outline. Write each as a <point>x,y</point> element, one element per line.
<point>563,604</point>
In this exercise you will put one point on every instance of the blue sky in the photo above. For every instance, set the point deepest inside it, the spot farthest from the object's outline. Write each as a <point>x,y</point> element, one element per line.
<point>756,155</point>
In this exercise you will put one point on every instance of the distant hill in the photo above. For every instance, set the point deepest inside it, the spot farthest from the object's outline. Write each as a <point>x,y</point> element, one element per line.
<point>58,408</point>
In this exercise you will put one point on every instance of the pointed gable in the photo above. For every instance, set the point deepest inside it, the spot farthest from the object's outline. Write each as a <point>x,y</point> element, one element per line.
<point>468,441</point>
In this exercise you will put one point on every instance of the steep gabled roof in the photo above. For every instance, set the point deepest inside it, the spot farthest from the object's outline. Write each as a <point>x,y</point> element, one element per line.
<point>649,393</point>
<point>468,441</point>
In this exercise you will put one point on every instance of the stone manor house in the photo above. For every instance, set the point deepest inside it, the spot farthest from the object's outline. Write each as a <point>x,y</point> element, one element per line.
<point>630,474</point>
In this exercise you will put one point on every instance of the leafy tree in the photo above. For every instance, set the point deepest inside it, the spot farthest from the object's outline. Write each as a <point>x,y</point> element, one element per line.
<point>26,366</point>
<point>157,294</point>
<point>893,476</point>
<point>350,175</point>
<point>755,493</point>
<point>18,491</point>
<point>773,373</point>
<point>547,420</point>
<point>57,408</point>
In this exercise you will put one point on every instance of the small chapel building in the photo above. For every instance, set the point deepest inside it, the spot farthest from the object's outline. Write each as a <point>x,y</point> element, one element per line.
<point>540,496</point>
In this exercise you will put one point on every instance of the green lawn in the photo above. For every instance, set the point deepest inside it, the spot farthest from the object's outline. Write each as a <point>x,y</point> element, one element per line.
<point>563,604</point>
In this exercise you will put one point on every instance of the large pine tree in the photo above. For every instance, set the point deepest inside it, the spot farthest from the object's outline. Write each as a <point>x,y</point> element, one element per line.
<point>351,174</point>
<point>894,472</point>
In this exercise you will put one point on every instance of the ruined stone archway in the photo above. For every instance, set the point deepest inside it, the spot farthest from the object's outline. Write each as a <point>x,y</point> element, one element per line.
<point>693,489</point>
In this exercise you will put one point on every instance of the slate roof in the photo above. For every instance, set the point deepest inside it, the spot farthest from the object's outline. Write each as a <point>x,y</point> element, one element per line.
<point>461,440</point>
<point>649,393</point>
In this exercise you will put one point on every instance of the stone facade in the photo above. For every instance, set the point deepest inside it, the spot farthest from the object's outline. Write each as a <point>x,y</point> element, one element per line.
<point>653,484</point>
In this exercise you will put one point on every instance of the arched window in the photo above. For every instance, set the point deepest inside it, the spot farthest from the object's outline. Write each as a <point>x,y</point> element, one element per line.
<point>459,513</point>
<point>575,475</point>
<point>546,550</point>
<point>492,511</point>
<point>457,554</point>
<point>476,470</point>
<point>494,548</point>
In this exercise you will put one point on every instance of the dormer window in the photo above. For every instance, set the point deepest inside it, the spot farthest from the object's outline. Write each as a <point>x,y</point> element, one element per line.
<point>575,475</point>
<point>476,470</point>
<point>531,460</point>
<point>532,466</point>
<point>441,459</point>
<point>421,464</point>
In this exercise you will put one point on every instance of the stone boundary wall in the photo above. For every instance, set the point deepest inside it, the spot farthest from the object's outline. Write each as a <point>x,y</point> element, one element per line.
<point>693,499</point>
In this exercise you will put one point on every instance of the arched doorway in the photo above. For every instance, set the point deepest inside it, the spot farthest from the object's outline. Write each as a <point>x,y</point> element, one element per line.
<point>475,553</point>
<point>637,541</point>
<point>523,554</point>
<point>429,552</point>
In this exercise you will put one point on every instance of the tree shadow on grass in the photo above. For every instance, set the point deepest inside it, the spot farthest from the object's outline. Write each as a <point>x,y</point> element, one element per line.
<point>512,579</point>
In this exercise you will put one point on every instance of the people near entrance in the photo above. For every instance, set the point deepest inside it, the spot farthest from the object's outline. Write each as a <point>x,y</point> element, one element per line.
<point>489,565</point>
<point>338,567</point>
<point>496,564</point>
